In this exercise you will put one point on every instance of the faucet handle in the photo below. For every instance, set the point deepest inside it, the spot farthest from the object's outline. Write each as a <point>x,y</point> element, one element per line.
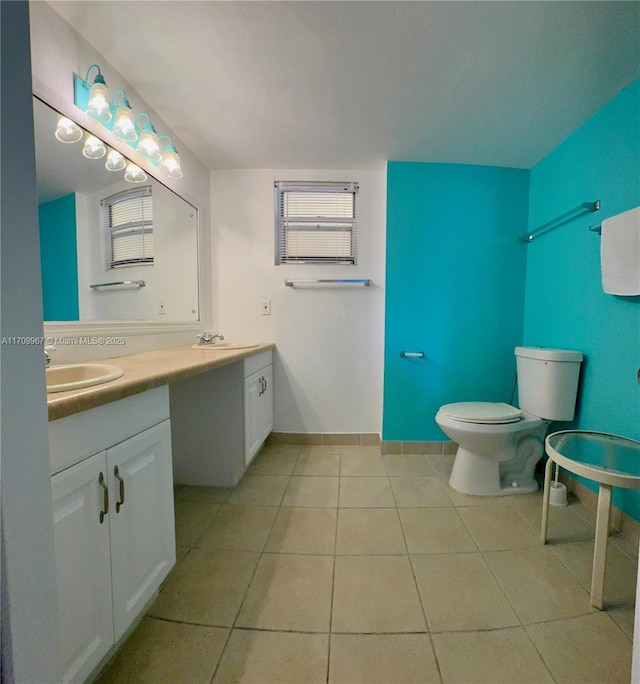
<point>208,337</point>
<point>48,351</point>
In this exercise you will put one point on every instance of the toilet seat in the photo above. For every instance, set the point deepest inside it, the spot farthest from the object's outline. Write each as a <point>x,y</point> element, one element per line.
<point>482,412</point>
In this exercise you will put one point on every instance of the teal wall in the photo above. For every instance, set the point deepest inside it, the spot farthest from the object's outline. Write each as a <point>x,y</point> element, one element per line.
<point>565,305</point>
<point>455,287</point>
<point>59,259</point>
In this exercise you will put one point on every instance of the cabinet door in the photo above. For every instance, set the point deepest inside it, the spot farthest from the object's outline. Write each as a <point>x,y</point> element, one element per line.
<point>252,431</point>
<point>266,403</point>
<point>82,566</point>
<point>142,524</point>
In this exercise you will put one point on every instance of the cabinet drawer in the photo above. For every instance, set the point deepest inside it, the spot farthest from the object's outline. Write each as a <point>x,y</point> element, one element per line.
<point>76,437</point>
<point>253,364</point>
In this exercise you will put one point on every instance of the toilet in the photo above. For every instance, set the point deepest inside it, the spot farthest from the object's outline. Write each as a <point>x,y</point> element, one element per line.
<point>498,444</point>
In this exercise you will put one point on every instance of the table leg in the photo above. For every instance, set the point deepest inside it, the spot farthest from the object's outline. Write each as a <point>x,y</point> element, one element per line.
<point>600,546</point>
<point>545,501</point>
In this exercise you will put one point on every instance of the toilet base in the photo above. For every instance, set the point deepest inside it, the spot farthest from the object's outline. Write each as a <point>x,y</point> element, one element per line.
<point>500,473</point>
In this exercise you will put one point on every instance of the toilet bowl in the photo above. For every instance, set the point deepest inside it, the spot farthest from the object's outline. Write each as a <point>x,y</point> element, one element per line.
<point>493,458</point>
<point>499,444</point>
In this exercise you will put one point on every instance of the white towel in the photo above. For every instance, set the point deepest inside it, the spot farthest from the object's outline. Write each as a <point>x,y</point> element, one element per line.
<point>620,253</point>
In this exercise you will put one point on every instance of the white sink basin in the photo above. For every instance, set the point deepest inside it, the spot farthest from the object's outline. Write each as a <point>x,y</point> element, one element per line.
<point>77,375</point>
<point>226,346</point>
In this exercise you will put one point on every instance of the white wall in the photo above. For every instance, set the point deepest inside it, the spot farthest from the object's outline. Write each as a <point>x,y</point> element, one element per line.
<point>329,361</point>
<point>57,52</point>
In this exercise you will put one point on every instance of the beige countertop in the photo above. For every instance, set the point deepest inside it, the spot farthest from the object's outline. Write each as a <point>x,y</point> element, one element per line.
<point>146,371</point>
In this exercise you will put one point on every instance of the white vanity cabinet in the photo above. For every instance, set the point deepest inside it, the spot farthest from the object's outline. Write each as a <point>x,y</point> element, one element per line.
<point>113,522</point>
<point>219,420</point>
<point>82,551</point>
<point>258,403</point>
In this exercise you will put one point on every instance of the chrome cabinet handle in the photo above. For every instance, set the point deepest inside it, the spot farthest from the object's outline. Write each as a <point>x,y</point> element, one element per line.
<point>105,499</point>
<point>411,355</point>
<point>120,503</point>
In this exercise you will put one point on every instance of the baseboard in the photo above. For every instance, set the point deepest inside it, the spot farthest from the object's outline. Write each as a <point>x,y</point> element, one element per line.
<point>360,439</point>
<point>447,447</point>
<point>325,438</point>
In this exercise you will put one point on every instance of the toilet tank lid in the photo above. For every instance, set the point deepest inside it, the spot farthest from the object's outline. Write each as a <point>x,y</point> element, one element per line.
<point>548,354</point>
<point>482,412</point>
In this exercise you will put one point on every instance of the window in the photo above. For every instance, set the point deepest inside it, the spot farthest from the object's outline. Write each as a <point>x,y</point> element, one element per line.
<point>316,223</point>
<point>128,227</point>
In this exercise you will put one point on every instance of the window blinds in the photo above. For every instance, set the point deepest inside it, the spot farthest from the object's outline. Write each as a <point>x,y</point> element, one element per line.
<point>128,227</point>
<point>316,223</point>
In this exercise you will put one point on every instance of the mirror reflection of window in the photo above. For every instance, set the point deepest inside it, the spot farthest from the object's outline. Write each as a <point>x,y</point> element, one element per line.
<point>127,218</point>
<point>74,248</point>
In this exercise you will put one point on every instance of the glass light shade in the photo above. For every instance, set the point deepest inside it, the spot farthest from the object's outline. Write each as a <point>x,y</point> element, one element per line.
<point>124,127</point>
<point>171,163</point>
<point>115,161</point>
<point>149,146</point>
<point>93,148</point>
<point>98,107</point>
<point>134,174</point>
<point>67,131</point>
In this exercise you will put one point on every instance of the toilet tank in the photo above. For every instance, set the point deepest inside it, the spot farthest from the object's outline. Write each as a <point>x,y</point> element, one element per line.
<point>548,381</point>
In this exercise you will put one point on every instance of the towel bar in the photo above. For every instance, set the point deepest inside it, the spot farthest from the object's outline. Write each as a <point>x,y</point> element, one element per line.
<point>567,217</point>
<point>129,283</point>
<point>349,281</point>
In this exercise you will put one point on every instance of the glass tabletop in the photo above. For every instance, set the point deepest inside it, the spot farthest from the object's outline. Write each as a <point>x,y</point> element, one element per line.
<point>597,451</point>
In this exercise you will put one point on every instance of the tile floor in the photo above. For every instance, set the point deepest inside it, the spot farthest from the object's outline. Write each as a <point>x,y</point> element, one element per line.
<point>339,565</point>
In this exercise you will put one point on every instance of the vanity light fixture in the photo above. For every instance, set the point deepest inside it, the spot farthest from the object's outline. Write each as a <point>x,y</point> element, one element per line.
<point>170,160</point>
<point>93,148</point>
<point>67,131</point>
<point>148,143</point>
<point>115,161</point>
<point>93,95</point>
<point>134,174</point>
<point>123,128</point>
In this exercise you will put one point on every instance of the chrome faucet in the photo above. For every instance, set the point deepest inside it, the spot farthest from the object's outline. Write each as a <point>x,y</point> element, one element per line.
<point>208,338</point>
<point>48,350</point>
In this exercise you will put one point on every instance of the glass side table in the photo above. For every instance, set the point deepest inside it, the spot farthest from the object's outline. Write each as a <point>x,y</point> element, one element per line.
<point>610,460</point>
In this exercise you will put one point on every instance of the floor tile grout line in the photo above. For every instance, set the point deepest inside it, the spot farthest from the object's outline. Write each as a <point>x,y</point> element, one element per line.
<point>522,625</point>
<point>333,577</point>
<point>537,650</point>
<point>249,583</point>
<point>261,554</point>
<point>383,632</point>
<point>420,597</point>
<point>490,569</point>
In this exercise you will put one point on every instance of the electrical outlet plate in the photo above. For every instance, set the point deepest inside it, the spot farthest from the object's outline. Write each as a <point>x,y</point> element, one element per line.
<point>265,307</point>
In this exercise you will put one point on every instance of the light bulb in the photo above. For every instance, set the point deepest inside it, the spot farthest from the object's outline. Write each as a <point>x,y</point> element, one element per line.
<point>149,146</point>
<point>98,107</point>
<point>134,174</point>
<point>115,161</point>
<point>171,163</point>
<point>93,148</point>
<point>67,131</point>
<point>124,127</point>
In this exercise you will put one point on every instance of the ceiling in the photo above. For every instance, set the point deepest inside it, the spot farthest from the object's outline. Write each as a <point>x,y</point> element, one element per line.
<point>352,84</point>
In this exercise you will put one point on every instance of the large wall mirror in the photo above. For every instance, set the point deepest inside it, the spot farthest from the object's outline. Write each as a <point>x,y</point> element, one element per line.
<point>111,249</point>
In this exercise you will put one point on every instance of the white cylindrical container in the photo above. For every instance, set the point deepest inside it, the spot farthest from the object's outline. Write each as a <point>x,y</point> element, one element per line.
<point>548,381</point>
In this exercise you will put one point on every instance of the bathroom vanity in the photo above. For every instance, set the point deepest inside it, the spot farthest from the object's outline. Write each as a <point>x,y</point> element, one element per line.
<point>113,452</point>
<point>220,419</point>
<point>114,535</point>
